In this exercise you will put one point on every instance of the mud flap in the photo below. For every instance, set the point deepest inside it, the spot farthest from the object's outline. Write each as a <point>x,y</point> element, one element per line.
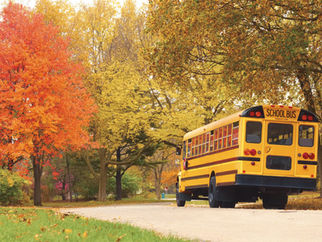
<point>183,196</point>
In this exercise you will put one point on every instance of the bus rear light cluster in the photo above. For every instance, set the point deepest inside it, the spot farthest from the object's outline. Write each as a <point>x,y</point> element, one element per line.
<point>250,152</point>
<point>307,117</point>
<point>257,114</point>
<point>307,156</point>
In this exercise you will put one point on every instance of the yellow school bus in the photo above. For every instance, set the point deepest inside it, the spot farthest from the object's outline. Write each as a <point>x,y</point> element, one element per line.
<point>266,152</point>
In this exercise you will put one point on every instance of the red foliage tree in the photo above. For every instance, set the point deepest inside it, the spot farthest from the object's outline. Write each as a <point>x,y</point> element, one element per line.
<point>44,106</point>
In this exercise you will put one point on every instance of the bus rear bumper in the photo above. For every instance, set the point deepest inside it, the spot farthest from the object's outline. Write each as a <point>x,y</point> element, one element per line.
<point>276,182</point>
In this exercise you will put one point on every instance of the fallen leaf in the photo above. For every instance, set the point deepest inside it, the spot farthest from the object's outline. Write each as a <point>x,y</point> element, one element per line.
<point>121,237</point>
<point>67,231</point>
<point>84,235</point>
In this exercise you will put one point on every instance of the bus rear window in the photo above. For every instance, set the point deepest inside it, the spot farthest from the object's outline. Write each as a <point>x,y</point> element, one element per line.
<point>253,132</point>
<point>306,135</point>
<point>280,134</point>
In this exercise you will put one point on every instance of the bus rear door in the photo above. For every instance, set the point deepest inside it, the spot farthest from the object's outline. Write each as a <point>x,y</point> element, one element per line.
<point>279,154</point>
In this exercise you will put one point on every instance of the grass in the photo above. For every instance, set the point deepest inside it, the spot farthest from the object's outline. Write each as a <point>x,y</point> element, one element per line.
<point>76,204</point>
<point>34,224</point>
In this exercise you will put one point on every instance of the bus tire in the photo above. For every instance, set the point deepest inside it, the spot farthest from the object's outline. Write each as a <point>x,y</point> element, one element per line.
<point>180,203</point>
<point>275,201</point>
<point>213,202</point>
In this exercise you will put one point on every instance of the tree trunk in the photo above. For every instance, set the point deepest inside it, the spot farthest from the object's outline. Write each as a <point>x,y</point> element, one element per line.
<point>118,183</point>
<point>118,176</point>
<point>157,180</point>
<point>63,189</point>
<point>103,176</point>
<point>37,179</point>
<point>69,180</point>
<point>307,91</point>
<point>157,188</point>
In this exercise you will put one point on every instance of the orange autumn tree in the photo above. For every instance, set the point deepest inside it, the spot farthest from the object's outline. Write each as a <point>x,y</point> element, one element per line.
<point>44,106</point>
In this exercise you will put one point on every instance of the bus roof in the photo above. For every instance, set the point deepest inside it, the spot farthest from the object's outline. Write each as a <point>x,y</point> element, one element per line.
<point>211,126</point>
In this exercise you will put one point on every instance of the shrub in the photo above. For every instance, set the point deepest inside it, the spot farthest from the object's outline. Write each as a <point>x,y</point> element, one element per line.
<point>11,188</point>
<point>130,185</point>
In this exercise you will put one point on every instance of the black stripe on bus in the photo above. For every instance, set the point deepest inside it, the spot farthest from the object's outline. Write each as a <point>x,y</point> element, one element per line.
<point>249,158</point>
<point>224,161</point>
<point>214,152</point>
<point>306,162</point>
<point>226,173</point>
<point>197,186</point>
<point>195,177</point>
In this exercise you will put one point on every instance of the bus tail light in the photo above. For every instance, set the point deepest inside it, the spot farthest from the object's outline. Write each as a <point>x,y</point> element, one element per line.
<point>305,155</point>
<point>252,152</point>
<point>252,114</point>
<point>310,118</point>
<point>246,152</point>
<point>304,117</point>
<point>311,156</point>
<point>258,114</point>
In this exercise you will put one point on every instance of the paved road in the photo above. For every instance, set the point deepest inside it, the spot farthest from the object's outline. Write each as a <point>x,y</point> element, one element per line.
<point>216,224</point>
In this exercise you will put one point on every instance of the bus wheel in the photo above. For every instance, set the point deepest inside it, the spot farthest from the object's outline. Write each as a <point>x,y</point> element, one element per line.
<point>180,203</point>
<point>275,201</point>
<point>227,204</point>
<point>213,202</point>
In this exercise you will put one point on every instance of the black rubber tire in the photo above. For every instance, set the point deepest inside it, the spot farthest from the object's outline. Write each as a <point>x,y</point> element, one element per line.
<point>227,204</point>
<point>180,203</point>
<point>213,202</point>
<point>275,200</point>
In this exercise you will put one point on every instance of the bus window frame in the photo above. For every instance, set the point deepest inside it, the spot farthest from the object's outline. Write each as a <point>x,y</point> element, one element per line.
<point>299,134</point>
<point>280,124</point>
<point>261,132</point>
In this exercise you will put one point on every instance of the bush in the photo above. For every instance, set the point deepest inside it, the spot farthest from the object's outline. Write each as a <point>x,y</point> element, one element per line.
<point>130,185</point>
<point>11,188</point>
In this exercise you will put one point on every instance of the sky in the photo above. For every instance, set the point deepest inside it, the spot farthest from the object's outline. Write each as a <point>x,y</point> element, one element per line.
<point>31,3</point>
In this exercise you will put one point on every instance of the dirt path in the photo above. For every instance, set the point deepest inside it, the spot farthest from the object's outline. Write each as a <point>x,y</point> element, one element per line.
<point>216,224</point>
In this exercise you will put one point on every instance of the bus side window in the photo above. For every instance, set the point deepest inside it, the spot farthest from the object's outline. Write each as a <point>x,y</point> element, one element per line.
<point>224,142</point>
<point>197,147</point>
<point>229,135</point>
<point>253,132</point>
<point>306,135</point>
<point>193,146</point>
<point>207,142</point>
<point>211,140</point>
<point>220,138</point>
<point>235,133</point>
<point>189,147</point>
<point>184,150</point>
<point>216,140</point>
